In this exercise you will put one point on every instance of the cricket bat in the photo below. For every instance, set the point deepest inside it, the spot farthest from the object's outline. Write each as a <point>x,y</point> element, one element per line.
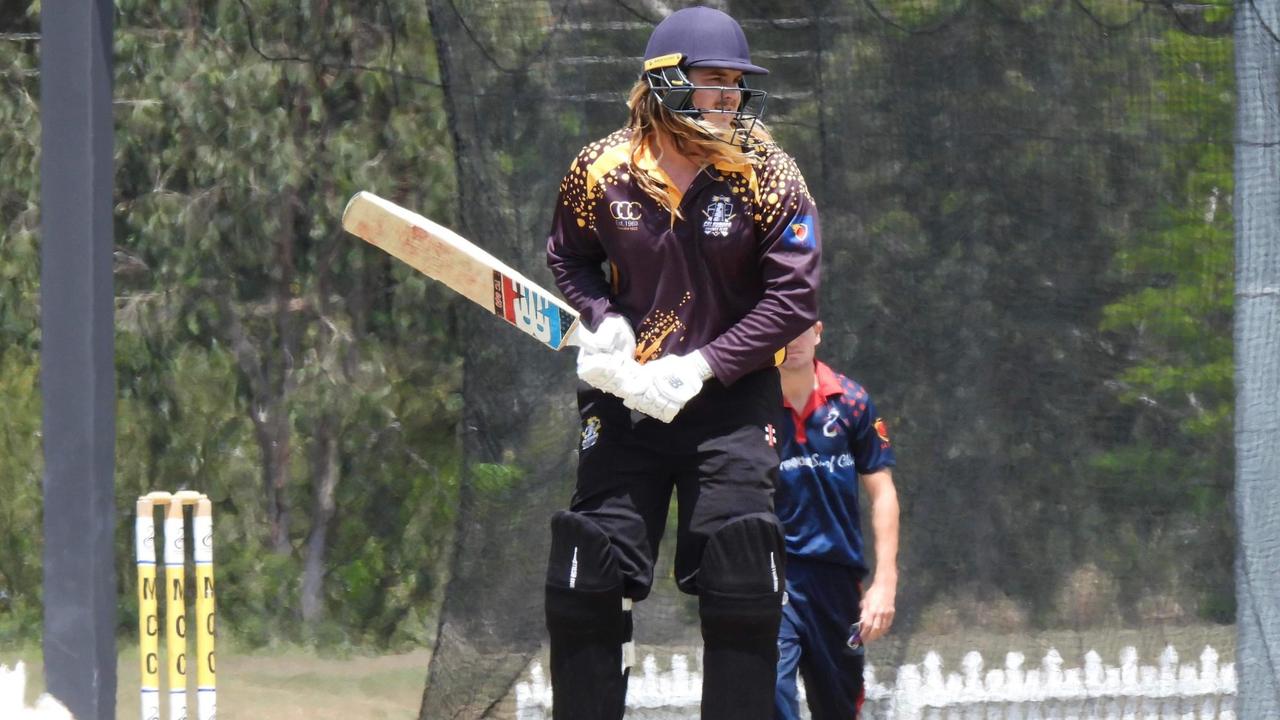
<point>441,254</point>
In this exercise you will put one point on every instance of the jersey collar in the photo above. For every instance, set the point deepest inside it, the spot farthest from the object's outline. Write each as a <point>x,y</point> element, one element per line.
<point>645,160</point>
<point>827,386</point>
<point>828,381</point>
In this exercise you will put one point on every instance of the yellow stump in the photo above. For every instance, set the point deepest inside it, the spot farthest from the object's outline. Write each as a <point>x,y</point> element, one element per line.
<point>148,614</point>
<point>175,608</point>
<point>206,611</point>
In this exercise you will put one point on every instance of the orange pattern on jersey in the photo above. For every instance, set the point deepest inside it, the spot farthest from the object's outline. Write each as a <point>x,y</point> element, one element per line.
<point>590,169</point>
<point>655,329</point>
<point>779,189</point>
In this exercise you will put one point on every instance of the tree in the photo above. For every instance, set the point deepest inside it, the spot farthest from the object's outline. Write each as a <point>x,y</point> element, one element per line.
<point>21,461</point>
<point>1173,472</point>
<point>308,384</point>
<point>243,137</point>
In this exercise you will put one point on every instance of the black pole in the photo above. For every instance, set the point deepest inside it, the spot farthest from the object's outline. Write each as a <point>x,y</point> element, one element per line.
<point>1257,355</point>
<point>77,372</point>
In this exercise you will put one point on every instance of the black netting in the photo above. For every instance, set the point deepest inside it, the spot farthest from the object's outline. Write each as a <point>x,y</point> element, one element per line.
<point>1049,253</point>
<point>1027,213</point>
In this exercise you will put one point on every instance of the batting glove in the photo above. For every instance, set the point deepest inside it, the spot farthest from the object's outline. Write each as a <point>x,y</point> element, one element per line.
<point>612,335</point>
<point>672,381</point>
<point>606,354</point>
<point>610,372</point>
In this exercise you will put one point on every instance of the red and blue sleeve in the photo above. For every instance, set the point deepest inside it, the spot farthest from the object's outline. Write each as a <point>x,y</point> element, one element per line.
<point>869,438</point>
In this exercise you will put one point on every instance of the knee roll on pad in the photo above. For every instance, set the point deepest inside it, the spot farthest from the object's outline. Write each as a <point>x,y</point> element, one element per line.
<point>584,585</point>
<point>741,578</point>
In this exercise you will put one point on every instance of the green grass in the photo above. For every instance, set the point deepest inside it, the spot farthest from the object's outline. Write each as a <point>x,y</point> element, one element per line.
<point>287,683</point>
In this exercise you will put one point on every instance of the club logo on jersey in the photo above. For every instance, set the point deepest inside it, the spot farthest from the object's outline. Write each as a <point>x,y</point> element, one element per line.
<point>529,311</point>
<point>720,215</point>
<point>590,432</point>
<point>799,233</point>
<point>829,427</point>
<point>883,431</point>
<point>626,215</point>
<point>770,436</point>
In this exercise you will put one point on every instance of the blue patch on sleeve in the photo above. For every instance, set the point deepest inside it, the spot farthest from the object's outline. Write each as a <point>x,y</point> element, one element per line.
<point>800,233</point>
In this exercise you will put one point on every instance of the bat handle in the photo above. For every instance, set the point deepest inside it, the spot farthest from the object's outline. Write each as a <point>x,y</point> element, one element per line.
<point>571,338</point>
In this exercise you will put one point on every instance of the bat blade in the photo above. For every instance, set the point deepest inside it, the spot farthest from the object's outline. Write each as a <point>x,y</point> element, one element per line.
<point>443,255</point>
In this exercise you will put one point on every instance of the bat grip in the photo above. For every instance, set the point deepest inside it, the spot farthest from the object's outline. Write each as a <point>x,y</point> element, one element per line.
<point>571,338</point>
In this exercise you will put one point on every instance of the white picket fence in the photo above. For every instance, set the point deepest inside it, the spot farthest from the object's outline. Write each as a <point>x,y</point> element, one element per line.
<point>1097,691</point>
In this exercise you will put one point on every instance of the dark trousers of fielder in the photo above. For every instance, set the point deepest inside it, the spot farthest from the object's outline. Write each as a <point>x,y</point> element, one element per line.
<point>719,460</point>
<point>823,600</point>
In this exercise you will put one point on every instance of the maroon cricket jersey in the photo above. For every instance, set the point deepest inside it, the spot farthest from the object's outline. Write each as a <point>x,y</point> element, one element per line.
<point>736,276</point>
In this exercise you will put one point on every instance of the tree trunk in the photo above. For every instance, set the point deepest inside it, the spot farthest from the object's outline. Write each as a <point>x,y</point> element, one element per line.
<point>271,425</point>
<point>325,475</point>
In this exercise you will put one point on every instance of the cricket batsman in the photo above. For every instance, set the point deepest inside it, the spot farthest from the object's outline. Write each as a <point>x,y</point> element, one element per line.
<point>689,243</point>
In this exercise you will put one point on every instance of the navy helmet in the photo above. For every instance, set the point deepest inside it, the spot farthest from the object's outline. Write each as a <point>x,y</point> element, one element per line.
<point>702,37</point>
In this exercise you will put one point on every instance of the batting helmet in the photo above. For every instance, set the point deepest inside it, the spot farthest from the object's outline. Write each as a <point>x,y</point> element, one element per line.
<point>701,37</point>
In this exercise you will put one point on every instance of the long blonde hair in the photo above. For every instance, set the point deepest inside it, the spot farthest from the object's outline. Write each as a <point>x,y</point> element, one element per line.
<point>648,119</point>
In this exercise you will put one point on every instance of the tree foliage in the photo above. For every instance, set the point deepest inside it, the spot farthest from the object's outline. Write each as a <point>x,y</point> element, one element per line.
<point>307,383</point>
<point>1174,471</point>
<point>21,465</point>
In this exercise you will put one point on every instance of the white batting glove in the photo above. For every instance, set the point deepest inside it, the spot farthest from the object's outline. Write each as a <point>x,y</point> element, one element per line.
<point>612,335</point>
<point>610,372</point>
<point>668,383</point>
<point>606,354</point>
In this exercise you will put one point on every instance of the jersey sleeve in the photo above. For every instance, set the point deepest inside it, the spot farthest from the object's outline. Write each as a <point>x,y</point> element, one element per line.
<point>789,248</point>
<point>574,253</point>
<point>869,438</point>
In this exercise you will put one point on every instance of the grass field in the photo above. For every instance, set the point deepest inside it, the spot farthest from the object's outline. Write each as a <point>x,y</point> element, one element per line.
<point>289,684</point>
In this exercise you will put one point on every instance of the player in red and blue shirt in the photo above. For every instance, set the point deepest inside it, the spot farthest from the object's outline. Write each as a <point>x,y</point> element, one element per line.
<point>831,440</point>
